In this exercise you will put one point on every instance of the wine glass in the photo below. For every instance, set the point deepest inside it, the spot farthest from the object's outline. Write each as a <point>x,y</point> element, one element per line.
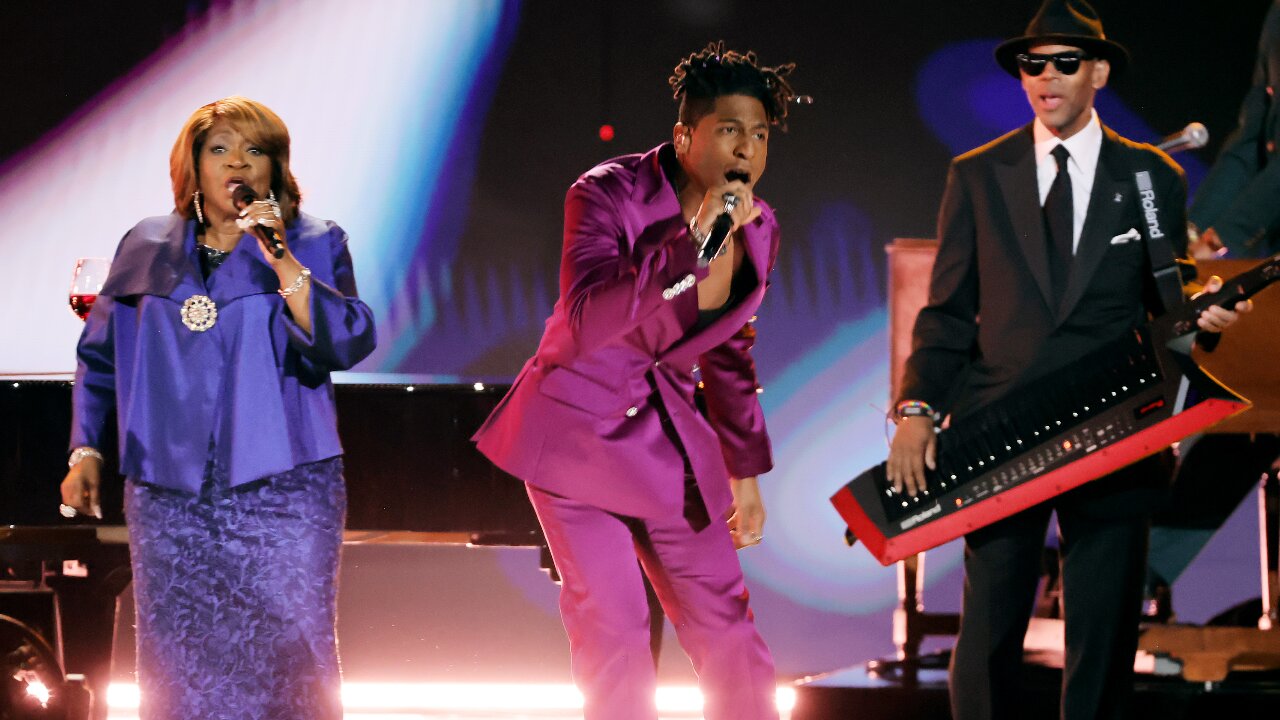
<point>86,282</point>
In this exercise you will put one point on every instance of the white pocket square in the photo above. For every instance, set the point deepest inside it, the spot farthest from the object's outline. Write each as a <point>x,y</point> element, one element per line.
<point>1123,238</point>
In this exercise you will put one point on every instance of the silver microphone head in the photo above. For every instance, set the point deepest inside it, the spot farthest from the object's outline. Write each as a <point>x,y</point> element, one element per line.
<point>1197,135</point>
<point>1191,137</point>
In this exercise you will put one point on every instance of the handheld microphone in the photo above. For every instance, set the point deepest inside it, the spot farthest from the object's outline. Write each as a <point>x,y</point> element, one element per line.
<point>714,241</point>
<point>716,237</point>
<point>720,228</point>
<point>1191,137</point>
<point>242,197</point>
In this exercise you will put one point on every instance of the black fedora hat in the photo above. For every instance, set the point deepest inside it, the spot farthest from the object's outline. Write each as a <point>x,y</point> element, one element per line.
<point>1064,22</point>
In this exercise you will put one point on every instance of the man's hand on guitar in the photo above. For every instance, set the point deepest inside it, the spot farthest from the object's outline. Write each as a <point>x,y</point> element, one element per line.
<point>1216,319</point>
<point>914,447</point>
<point>1204,245</point>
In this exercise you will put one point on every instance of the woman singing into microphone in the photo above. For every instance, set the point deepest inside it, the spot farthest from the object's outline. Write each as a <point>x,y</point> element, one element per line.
<point>215,355</point>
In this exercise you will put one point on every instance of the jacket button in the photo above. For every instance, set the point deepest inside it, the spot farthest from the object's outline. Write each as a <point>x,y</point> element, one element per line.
<point>632,411</point>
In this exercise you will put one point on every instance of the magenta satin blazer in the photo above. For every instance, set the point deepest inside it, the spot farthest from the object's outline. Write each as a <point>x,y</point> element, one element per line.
<point>582,419</point>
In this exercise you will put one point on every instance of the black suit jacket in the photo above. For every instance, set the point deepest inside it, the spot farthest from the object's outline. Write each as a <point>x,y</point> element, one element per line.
<point>991,322</point>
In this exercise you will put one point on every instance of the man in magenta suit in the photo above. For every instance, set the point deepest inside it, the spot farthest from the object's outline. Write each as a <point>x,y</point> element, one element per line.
<point>602,424</point>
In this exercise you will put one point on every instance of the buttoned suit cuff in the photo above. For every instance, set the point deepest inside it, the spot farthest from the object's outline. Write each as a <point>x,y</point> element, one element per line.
<point>685,273</point>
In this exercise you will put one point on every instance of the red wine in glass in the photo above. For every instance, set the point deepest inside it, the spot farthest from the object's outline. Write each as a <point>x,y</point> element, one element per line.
<point>87,280</point>
<point>82,304</point>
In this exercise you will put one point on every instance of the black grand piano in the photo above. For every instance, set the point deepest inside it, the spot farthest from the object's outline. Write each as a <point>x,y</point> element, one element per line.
<point>412,474</point>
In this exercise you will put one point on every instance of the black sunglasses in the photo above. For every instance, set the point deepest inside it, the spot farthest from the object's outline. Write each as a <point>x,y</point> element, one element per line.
<point>1067,63</point>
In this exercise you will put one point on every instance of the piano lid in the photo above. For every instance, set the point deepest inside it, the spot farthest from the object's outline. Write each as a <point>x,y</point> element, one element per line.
<point>410,464</point>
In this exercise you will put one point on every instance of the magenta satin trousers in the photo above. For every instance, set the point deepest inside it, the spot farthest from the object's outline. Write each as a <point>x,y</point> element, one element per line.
<point>602,602</point>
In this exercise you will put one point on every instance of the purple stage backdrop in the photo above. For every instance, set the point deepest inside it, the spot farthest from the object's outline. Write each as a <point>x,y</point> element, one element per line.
<point>442,136</point>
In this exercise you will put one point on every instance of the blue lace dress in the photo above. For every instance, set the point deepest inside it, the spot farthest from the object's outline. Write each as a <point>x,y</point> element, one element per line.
<point>236,593</point>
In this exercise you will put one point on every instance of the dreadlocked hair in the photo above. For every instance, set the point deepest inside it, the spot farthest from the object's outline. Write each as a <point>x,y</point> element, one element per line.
<point>714,71</point>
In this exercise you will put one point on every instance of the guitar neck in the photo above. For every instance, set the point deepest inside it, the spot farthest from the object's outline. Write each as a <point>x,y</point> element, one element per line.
<point>1241,287</point>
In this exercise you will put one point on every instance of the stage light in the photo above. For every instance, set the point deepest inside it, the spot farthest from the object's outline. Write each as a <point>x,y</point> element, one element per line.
<point>28,673</point>
<point>37,690</point>
<point>606,132</point>
<point>447,55</point>
<point>786,698</point>
<point>123,696</point>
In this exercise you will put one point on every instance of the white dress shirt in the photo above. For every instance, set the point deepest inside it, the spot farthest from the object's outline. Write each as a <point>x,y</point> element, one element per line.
<point>1084,147</point>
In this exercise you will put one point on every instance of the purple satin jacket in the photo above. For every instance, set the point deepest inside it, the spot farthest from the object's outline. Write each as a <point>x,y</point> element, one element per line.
<point>254,387</point>
<point>583,418</point>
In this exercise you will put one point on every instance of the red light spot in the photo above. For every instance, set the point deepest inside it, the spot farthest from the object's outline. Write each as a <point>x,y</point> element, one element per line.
<point>606,132</point>
<point>1149,407</point>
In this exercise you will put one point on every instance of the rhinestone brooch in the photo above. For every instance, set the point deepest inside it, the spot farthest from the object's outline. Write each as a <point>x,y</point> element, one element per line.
<point>199,313</point>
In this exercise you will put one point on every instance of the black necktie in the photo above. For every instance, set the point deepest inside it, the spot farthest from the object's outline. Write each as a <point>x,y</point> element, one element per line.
<point>1059,213</point>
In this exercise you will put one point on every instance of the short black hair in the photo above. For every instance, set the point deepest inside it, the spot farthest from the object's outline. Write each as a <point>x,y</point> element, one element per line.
<point>712,72</point>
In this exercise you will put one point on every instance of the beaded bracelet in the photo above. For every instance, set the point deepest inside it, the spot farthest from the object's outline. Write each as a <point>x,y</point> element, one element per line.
<point>911,408</point>
<point>81,453</point>
<point>301,280</point>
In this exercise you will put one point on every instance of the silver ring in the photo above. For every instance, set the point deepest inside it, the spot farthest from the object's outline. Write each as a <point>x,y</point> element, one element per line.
<point>730,202</point>
<point>67,511</point>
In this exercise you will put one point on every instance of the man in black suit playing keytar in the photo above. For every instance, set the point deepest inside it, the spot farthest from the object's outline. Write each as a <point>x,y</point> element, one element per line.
<point>1041,259</point>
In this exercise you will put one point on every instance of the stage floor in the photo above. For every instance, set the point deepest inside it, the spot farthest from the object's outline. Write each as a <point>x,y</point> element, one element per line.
<point>473,701</point>
<point>855,692</point>
<point>863,694</point>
